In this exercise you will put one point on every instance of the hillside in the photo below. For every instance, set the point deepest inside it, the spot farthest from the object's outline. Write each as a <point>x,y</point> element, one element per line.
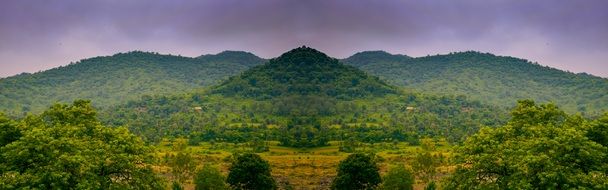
<point>303,99</point>
<point>488,78</point>
<point>109,80</point>
<point>304,71</point>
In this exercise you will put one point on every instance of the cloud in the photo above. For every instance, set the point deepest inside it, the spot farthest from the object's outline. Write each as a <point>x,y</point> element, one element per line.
<point>37,35</point>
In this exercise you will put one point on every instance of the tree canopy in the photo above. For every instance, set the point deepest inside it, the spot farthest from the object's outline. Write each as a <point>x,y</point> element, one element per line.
<point>111,80</point>
<point>540,148</point>
<point>398,178</point>
<point>66,147</point>
<point>491,79</point>
<point>357,171</point>
<point>249,171</point>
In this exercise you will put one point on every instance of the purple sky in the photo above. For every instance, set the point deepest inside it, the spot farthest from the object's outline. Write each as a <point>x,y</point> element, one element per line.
<point>41,34</point>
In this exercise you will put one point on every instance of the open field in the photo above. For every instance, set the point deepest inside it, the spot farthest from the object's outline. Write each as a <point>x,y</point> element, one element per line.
<point>300,168</point>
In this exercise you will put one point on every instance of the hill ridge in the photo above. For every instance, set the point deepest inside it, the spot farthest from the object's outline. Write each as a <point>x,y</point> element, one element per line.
<point>303,71</point>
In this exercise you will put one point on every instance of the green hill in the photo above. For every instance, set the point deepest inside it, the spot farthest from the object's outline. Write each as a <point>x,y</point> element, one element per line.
<point>109,80</point>
<point>304,71</point>
<point>488,78</point>
<point>303,98</point>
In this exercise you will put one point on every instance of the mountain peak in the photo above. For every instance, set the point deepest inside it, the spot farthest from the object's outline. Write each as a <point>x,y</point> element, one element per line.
<point>241,57</point>
<point>304,56</point>
<point>304,71</point>
<point>363,58</point>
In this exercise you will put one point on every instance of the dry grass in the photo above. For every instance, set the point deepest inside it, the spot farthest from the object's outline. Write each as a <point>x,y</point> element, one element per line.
<point>312,168</point>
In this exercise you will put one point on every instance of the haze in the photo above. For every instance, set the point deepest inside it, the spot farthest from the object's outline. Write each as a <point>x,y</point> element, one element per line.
<point>38,34</point>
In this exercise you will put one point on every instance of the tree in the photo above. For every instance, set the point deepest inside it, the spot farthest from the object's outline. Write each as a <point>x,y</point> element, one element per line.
<point>182,166</point>
<point>425,166</point>
<point>250,171</point>
<point>9,131</point>
<point>540,148</point>
<point>398,178</point>
<point>599,130</point>
<point>209,178</point>
<point>431,186</point>
<point>66,147</point>
<point>357,171</point>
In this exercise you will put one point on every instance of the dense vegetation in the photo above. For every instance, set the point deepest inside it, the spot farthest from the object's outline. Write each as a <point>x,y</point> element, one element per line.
<point>304,71</point>
<point>316,122</point>
<point>112,80</point>
<point>357,172</point>
<point>488,78</point>
<point>250,171</point>
<point>66,147</point>
<point>540,148</point>
<point>302,111</point>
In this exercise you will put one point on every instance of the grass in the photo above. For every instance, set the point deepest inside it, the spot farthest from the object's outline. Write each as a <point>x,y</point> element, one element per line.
<point>310,168</point>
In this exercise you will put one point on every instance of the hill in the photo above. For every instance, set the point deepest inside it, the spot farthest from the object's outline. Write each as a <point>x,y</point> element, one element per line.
<point>303,98</point>
<point>109,80</point>
<point>488,78</point>
<point>304,71</point>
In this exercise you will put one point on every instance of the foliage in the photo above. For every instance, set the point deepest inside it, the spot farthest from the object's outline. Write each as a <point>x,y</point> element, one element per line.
<point>182,166</point>
<point>425,166</point>
<point>540,148</point>
<point>357,171</point>
<point>111,80</point>
<point>209,178</point>
<point>239,111</point>
<point>598,130</point>
<point>250,171</point>
<point>488,78</point>
<point>66,147</point>
<point>431,186</point>
<point>304,71</point>
<point>9,130</point>
<point>398,178</point>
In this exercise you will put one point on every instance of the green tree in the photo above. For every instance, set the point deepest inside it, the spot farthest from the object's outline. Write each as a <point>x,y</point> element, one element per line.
<point>9,131</point>
<point>398,178</point>
<point>357,171</point>
<point>425,166</point>
<point>250,171</point>
<point>430,186</point>
<point>540,148</point>
<point>209,178</point>
<point>67,148</point>
<point>182,166</point>
<point>598,131</point>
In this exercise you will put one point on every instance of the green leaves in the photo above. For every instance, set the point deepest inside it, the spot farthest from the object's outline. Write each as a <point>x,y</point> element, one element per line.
<point>66,147</point>
<point>112,80</point>
<point>398,178</point>
<point>540,148</point>
<point>304,71</point>
<point>488,78</point>
<point>249,171</point>
<point>357,171</point>
<point>209,178</point>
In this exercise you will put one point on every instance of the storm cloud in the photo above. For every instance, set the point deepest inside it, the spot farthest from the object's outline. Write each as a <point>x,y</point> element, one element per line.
<point>41,34</point>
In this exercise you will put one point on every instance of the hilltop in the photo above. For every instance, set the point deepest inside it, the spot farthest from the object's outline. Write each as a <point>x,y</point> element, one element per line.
<point>303,98</point>
<point>110,80</point>
<point>491,79</point>
<point>304,71</point>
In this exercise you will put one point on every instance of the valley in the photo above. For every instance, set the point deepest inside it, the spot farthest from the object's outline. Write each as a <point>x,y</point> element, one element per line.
<point>302,120</point>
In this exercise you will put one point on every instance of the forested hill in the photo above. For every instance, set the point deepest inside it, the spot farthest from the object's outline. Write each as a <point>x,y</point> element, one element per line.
<point>109,80</point>
<point>304,71</point>
<point>488,78</point>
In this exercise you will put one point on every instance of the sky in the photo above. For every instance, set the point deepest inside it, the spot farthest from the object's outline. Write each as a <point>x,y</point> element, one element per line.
<point>569,35</point>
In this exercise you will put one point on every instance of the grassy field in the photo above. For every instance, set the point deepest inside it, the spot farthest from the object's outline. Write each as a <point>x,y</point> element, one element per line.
<point>294,168</point>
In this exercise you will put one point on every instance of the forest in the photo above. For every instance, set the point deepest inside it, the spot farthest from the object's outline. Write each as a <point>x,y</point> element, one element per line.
<point>303,120</point>
<point>496,80</point>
